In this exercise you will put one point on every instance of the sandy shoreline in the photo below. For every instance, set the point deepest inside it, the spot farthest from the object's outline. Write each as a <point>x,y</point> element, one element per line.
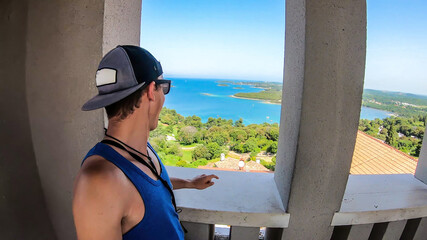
<point>259,100</point>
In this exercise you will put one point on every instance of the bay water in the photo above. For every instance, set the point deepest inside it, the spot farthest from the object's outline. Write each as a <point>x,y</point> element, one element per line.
<point>204,98</point>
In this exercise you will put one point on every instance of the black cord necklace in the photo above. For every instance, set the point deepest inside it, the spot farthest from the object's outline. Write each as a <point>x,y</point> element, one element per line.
<point>133,149</point>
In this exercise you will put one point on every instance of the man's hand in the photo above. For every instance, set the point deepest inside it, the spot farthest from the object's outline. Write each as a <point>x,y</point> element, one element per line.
<point>203,181</point>
<point>200,182</point>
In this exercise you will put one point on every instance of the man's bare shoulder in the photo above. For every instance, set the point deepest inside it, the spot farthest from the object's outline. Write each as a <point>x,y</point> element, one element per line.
<point>101,175</point>
<point>99,200</point>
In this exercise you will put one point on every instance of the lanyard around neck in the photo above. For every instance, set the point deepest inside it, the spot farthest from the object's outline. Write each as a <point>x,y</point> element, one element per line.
<point>145,155</point>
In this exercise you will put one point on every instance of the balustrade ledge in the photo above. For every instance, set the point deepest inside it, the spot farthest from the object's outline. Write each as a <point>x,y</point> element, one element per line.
<point>381,198</point>
<point>238,198</point>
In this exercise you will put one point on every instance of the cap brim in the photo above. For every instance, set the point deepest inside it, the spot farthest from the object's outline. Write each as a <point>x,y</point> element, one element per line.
<point>100,101</point>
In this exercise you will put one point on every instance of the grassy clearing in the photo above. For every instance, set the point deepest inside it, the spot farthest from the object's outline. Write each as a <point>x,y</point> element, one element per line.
<point>170,160</point>
<point>187,156</point>
<point>189,146</point>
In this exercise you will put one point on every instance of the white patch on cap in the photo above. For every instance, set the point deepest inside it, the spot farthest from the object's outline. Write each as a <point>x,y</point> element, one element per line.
<point>105,76</point>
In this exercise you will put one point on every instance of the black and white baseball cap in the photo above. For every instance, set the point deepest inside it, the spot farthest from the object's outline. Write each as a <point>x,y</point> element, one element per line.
<point>121,72</point>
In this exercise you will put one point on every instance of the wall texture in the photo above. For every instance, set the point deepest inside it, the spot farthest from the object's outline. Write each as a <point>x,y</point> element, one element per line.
<point>50,51</point>
<point>23,213</point>
<point>421,171</point>
<point>64,45</point>
<point>65,42</point>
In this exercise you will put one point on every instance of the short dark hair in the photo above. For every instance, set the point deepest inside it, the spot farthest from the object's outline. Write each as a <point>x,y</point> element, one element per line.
<point>123,108</point>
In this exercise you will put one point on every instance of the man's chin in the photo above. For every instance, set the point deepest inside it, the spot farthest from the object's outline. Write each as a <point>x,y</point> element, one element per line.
<point>154,127</point>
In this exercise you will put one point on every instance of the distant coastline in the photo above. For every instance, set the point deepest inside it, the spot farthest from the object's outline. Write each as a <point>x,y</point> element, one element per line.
<point>254,99</point>
<point>394,103</point>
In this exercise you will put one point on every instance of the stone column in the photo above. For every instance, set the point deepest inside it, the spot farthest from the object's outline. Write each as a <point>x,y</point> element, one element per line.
<point>322,93</point>
<point>421,171</point>
<point>65,42</point>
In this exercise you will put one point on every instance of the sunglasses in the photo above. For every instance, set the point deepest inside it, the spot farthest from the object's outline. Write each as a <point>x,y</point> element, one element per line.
<point>164,84</point>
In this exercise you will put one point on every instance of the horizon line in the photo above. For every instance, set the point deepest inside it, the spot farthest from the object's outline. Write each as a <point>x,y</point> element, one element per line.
<point>281,82</point>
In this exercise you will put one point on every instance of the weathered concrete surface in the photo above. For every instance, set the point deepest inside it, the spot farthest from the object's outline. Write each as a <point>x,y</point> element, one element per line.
<point>65,41</point>
<point>381,198</point>
<point>64,44</point>
<point>324,71</point>
<point>237,198</point>
<point>122,23</point>
<point>421,171</point>
<point>199,231</point>
<point>292,96</point>
<point>244,233</point>
<point>421,232</point>
<point>23,213</point>
<point>359,232</point>
<point>394,230</point>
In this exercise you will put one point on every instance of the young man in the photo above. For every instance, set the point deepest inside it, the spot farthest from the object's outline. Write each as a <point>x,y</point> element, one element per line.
<point>122,190</point>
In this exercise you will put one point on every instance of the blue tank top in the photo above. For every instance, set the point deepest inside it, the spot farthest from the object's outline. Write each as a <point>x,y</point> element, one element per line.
<point>160,220</point>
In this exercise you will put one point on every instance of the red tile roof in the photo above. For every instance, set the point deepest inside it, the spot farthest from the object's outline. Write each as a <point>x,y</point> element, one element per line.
<point>372,156</point>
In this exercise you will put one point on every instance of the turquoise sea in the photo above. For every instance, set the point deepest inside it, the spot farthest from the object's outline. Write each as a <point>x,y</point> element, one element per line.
<point>204,98</point>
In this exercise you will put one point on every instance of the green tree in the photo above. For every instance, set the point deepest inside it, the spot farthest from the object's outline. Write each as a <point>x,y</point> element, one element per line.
<point>263,143</point>
<point>406,130</point>
<point>391,136</point>
<point>219,138</point>
<point>214,149</point>
<point>418,150</point>
<point>201,151</point>
<point>238,147</point>
<point>273,133</point>
<point>199,162</point>
<point>419,132</point>
<point>170,117</point>
<point>272,148</point>
<point>194,121</point>
<point>238,135</point>
<point>187,135</point>
<point>172,148</point>
<point>251,145</point>
<point>239,123</point>
<point>159,131</point>
<point>182,163</point>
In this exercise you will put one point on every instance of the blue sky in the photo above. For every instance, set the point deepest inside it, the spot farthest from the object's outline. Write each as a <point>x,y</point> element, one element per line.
<point>235,39</point>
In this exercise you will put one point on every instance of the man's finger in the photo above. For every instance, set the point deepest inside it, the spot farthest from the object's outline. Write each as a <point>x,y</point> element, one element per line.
<point>213,176</point>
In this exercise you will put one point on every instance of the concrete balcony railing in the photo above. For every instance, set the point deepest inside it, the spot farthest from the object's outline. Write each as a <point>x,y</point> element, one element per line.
<point>245,201</point>
<point>382,207</point>
<point>373,207</point>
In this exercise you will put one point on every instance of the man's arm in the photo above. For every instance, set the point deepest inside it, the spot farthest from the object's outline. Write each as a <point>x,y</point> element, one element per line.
<point>97,203</point>
<point>200,182</point>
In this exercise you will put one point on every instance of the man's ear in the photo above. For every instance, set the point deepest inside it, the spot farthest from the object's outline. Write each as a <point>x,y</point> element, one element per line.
<point>150,91</point>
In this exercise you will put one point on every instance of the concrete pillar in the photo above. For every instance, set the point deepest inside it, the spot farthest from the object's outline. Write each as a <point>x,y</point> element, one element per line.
<point>23,212</point>
<point>244,233</point>
<point>122,23</point>
<point>421,171</point>
<point>65,41</point>
<point>197,231</point>
<point>421,232</point>
<point>394,230</point>
<point>322,93</point>
<point>273,233</point>
<point>360,232</point>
